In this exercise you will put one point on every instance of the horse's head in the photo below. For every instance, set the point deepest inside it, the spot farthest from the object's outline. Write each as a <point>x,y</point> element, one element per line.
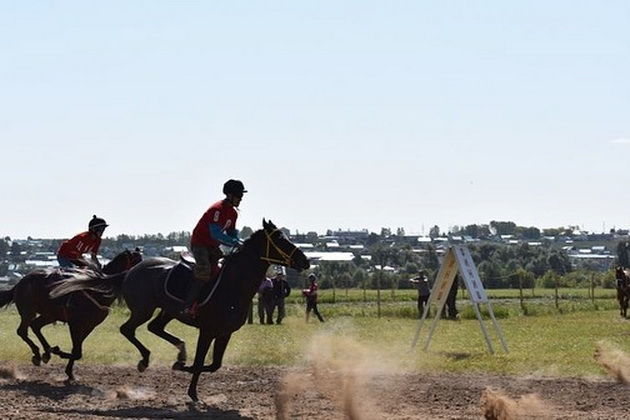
<point>280,250</point>
<point>123,261</point>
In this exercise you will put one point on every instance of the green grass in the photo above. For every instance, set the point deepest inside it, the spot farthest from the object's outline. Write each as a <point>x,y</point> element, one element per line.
<point>404,295</point>
<point>556,344</point>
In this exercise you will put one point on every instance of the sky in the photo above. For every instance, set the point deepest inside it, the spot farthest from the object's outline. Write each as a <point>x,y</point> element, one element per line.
<point>334,114</point>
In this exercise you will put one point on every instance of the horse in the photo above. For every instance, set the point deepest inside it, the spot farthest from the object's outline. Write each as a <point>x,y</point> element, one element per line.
<point>623,290</point>
<point>38,293</point>
<point>227,307</point>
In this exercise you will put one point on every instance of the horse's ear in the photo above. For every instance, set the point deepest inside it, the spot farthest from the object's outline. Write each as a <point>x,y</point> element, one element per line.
<point>137,249</point>
<point>264,223</point>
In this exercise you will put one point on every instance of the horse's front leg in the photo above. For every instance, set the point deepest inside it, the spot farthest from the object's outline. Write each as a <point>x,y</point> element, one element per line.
<point>36,326</point>
<point>220,344</point>
<point>203,344</point>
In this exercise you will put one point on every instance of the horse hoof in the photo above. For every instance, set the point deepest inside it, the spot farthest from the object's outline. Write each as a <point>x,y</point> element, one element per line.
<point>142,366</point>
<point>55,350</point>
<point>45,357</point>
<point>178,366</point>
<point>36,360</point>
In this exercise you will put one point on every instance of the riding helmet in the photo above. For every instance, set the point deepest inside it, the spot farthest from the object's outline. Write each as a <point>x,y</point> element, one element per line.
<point>234,186</point>
<point>97,222</point>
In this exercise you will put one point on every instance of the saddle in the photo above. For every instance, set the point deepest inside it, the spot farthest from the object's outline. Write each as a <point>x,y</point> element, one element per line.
<point>179,280</point>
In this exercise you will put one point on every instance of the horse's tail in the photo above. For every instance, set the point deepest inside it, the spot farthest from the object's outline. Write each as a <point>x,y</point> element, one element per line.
<point>88,281</point>
<point>6,297</point>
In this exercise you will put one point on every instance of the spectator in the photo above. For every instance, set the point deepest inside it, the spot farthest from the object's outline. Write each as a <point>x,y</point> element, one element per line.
<point>311,298</point>
<point>424,290</point>
<point>451,300</point>
<point>281,290</point>
<point>265,301</point>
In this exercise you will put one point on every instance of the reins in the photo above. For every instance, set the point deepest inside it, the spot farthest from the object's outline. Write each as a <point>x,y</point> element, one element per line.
<point>285,259</point>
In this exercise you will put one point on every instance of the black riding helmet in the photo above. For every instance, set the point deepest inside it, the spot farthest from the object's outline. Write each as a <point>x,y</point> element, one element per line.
<point>234,186</point>
<point>97,223</point>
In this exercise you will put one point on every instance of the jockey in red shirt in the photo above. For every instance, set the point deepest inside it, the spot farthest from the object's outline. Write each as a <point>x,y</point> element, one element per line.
<point>71,252</point>
<point>216,226</point>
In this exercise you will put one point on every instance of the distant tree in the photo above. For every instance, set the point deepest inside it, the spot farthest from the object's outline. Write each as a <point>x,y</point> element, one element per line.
<point>503,228</point>
<point>16,249</point>
<point>358,278</point>
<point>411,268</point>
<point>373,239</point>
<point>552,231</point>
<point>490,274</point>
<point>549,279</point>
<point>434,232</point>
<point>529,232</point>
<point>386,232</point>
<point>4,249</point>
<point>400,231</point>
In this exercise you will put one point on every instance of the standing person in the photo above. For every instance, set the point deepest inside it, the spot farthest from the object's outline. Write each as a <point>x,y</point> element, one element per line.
<point>70,253</point>
<point>311,298</point>
<point>265,301</point>
<point>216,226</point>
<point>281,290</point>
<point>424,290</point>
<point>451,300</point>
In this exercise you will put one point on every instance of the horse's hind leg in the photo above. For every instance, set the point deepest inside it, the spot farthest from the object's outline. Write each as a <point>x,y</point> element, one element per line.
<point>156,326</point>
<point>36,326</point>
<point>128,329</point>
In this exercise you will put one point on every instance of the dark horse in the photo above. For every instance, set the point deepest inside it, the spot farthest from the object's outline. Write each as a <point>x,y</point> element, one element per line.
<point>623,290</point>
<point>41,298</point>
<point>227,308</point>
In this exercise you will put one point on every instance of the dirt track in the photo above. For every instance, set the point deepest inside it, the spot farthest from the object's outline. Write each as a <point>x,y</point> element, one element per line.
<point>237,392</point>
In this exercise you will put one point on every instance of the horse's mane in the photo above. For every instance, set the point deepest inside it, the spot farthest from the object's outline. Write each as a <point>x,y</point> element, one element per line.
<point>87,280</point>
<point>247,244</point>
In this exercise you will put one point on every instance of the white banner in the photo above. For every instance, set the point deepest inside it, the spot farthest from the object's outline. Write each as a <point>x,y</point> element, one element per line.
<point>469,274</point>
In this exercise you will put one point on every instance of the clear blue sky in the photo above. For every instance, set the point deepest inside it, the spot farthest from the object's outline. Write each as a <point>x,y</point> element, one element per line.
<point>334,114</point>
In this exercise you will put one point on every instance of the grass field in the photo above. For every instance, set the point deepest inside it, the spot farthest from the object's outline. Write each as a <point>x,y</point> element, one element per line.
<point>555,342</point>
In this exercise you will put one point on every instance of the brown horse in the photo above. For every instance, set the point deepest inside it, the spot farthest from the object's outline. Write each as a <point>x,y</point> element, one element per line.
<point>623,289</point>
<point>38,304</point>
<point>226,310</point>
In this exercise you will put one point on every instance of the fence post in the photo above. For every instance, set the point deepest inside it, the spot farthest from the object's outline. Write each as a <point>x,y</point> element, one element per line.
<point>592,288</point>
<point>556,286</point>
<point>520,291</point>
<point>365,290</point>
<point>378,292</point>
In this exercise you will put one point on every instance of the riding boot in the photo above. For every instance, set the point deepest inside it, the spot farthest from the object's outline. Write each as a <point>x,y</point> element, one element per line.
<point>191,297</point>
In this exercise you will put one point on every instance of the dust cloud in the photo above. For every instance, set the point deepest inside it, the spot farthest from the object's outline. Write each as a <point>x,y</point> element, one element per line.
<point>495,405</point>
<point>10,372</point>
<point>615,361</point>
<point>127,392</point>
<point>337,368</point>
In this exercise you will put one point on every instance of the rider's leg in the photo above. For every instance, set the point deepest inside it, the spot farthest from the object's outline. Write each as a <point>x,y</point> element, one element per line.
<point>201,275</point>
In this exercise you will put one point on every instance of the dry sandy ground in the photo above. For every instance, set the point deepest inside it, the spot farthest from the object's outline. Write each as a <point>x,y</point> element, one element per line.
<point>265,393</point>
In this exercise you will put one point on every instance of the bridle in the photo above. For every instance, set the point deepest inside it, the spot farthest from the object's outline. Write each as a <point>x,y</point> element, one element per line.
<point>284,259</point>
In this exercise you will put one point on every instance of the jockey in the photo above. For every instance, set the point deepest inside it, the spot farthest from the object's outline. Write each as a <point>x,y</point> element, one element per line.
<point>71,252</point>
<point>216,226</point>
